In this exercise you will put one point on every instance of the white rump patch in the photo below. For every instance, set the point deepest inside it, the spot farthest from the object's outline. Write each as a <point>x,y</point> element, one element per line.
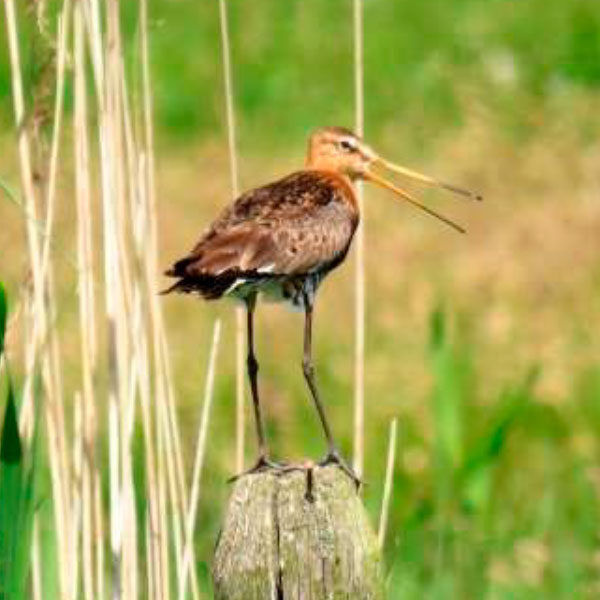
<point>236,284</point>
<point>266,269</point>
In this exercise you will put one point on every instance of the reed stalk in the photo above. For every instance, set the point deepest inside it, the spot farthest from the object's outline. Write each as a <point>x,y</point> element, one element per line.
<point>359,272</point>
<point>36,567</point>
<point>42,309</point>
<point>199,459</point>
<point>75,507</point>
<point>98,536</point>
<point>87,312</point>
<point>235,192</point>
<point>174,456</point>
<point>138,371</point>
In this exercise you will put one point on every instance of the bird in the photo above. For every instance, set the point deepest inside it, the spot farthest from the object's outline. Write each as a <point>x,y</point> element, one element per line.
<point>281,240</point>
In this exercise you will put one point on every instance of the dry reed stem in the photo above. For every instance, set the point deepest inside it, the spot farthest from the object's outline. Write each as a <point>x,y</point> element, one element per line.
<point>166,404</point>
<point>235,191</point>
<point>141,199</point>
<point>62,35</point>
<point>180,496</point>
<point>199,459</point>
<point>75,507</point>
<point>98,535</point>
<point>162,514</point>
<point>87,321</point>
<point>152,249</point>
<point>150,585</point>
<point>389,483</point>
<point>54,404</point>
<point>129,219</point>
<point>152,514</point>
<point>359,274</point>
<point>40,312</point>
<point>111,190</point>
<point>137,225</point>
<point>91,13</point>
<point>23,143</point>
<point>166,396</point>
<point>37,309</point>
<point>26,414</point>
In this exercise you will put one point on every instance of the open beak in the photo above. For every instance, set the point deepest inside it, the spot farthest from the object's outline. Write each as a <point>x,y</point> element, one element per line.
<point>373,176</point>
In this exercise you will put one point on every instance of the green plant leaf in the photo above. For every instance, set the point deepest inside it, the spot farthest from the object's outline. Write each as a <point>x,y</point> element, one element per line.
<point>10,445</point>
<point>3,311</point>
<point>11,489</point>
<point>17,507</point>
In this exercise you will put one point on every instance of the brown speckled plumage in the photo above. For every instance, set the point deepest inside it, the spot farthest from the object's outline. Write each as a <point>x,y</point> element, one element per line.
<point>288,233</point>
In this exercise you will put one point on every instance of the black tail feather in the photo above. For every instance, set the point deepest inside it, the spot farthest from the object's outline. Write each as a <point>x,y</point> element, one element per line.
<point>210,287</point>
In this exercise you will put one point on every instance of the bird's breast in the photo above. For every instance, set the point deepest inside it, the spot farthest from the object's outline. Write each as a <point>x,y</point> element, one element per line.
<point>346,193</point>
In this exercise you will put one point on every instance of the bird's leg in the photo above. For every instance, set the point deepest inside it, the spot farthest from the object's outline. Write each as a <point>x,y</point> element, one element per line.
<point>263,463</point>
<point>252,366</point>
<point>333,455</point>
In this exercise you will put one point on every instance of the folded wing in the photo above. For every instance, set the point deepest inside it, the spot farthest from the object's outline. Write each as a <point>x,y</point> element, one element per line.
<point>292,227</point>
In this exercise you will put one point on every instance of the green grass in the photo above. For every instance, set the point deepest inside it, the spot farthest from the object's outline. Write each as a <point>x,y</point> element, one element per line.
<point>427,64</point>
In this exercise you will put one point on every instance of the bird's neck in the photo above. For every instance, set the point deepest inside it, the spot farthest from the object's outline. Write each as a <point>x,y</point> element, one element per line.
<point>326,164</point>
<point>341,181</point>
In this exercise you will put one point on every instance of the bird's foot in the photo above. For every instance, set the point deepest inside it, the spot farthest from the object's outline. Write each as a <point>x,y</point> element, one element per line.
<point>335,458</point>
<point>262,465</point>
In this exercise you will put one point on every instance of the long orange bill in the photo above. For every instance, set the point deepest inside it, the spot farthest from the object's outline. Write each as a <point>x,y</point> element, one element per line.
<point>371,176</point>
<point>427,180</point>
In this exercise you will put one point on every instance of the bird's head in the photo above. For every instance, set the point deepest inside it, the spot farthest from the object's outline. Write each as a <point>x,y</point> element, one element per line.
<point>341,151</point>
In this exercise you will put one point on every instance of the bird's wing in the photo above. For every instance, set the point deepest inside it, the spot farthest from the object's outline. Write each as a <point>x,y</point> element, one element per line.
<point>289,227</point>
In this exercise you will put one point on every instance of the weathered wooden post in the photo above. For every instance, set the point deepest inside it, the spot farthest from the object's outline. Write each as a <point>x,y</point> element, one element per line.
<point>303,535</point>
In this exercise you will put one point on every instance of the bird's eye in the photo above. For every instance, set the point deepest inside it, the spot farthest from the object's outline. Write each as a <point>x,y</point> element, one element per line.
<point>347,146</point>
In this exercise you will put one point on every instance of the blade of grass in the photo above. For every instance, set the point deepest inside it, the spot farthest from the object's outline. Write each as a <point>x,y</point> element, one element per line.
<point>389,482</point>
<point>199,460</point>
<point>447,408</point>
<point>447,399</point>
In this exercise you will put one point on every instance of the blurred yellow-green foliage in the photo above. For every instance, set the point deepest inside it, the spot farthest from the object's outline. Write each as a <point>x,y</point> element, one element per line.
<point>486,346</point>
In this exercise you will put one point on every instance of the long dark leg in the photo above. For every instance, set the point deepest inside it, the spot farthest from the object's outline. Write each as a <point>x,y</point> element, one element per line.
<point>252,365</point>
<point>263,462</point>
<point>309,373</point>
<point>333,454</point>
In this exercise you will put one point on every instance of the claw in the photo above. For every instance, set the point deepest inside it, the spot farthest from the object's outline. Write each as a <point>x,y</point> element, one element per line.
<point>335,458</point>
<point>263,464</point>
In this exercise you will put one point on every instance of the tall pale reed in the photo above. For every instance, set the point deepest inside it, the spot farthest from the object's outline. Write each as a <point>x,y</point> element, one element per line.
<point>120,307</point>
<point>42,344</point>
<point>359,273</point>
<point>235,191</point>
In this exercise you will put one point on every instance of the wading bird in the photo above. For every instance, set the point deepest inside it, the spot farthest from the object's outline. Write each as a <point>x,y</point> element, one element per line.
<point>281,240</point>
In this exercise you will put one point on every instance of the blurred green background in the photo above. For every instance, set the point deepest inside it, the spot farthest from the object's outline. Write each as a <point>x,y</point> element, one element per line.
<point>485,346</point>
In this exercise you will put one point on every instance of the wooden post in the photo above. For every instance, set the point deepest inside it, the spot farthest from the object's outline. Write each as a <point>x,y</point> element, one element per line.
<point>303,535</point>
